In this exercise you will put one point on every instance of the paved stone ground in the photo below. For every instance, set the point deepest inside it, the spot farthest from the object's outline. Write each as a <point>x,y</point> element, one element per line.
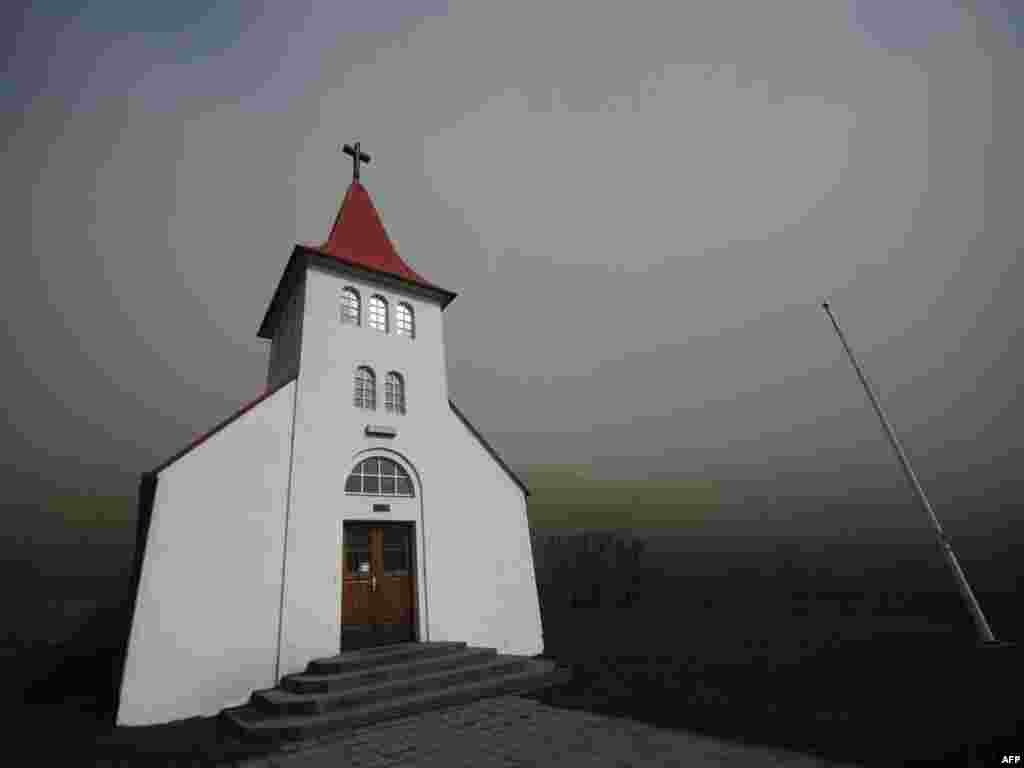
<point>514,732</point>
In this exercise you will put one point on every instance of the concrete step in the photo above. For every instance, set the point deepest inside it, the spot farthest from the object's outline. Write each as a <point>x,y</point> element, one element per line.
<point>370,658</point>
<point>307,683</point>
<point>255,725</point>
<point>285,702</point>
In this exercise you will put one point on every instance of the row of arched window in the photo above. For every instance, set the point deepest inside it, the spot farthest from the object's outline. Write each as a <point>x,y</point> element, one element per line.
<point>377,315</point>
<point>366,390</point>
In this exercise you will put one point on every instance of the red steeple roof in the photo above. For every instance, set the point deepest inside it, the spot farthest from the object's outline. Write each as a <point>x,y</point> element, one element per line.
<point>358,237</point>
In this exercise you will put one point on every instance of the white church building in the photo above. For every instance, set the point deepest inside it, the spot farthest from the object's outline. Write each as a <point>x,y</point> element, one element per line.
<point>351,505</point>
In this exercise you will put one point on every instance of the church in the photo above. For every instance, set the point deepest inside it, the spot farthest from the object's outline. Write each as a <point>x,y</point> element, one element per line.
<point>352,505</point>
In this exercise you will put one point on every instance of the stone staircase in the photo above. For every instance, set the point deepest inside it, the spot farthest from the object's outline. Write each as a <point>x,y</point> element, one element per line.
<point>367,686</point>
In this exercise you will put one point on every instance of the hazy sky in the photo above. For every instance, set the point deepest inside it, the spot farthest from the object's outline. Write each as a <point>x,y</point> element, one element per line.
<point>640,205</point>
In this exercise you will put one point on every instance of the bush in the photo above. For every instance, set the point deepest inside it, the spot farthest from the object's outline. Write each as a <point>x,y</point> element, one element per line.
<point>596,569</point>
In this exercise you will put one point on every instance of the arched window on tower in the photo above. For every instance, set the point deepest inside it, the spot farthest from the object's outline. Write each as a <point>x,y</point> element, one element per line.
<point>366,388</point>
<point>404,325</point>
<point>379,477</point>
<point>394,393</point>
<point>350,306</point>
<point>379,313</point>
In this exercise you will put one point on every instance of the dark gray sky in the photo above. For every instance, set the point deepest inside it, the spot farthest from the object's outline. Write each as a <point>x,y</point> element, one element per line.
<point>639,204</point>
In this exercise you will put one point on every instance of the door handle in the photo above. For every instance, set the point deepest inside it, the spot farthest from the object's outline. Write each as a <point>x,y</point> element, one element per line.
<point>373,583</point>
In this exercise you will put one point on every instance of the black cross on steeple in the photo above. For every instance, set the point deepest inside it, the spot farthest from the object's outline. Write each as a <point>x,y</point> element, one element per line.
<point>358,156</point>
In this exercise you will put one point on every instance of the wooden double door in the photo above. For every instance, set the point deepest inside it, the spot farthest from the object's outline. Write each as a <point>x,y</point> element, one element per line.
<point>378,588</point>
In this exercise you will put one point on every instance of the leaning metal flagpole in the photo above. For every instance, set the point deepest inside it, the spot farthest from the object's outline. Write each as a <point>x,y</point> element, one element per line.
<point>947,549</point>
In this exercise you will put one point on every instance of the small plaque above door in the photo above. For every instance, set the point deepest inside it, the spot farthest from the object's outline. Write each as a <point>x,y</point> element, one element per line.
<point>373,430</point>
<point>381,507</point>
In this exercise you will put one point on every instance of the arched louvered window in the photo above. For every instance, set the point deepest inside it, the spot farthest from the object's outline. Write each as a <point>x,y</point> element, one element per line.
<point>350,306</point>
<point>394,393</point>
<point>379,313</point>
<point>379,477</point>
<point>366,388</point>
<point>404,325</point>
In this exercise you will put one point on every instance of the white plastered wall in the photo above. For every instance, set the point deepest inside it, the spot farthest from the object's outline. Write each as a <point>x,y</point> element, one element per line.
<point>482,584</point>
<point>205,629</point>
<point>475,568</point>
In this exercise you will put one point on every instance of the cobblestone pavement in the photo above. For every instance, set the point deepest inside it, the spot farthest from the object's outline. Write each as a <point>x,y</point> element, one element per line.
<point>513,732</point>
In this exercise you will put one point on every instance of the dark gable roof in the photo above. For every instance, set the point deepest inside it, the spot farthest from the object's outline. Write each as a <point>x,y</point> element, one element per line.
<point>211,432</point>
<point>249,406</point>
<point>489,449</point>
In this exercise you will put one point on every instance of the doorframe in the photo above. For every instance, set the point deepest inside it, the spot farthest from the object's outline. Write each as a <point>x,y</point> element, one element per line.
<point>410,526</point>
<point>354,511</point>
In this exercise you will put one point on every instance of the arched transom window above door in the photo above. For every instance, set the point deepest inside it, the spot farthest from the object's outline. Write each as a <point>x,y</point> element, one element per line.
<point>379,477</point>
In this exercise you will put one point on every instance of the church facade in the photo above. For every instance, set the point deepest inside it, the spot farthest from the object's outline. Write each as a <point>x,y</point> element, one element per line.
<point>352,505</point>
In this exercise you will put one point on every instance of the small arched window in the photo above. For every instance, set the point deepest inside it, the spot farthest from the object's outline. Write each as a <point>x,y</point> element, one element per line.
<point>403,321</point>
<point>350,306</point>
<point>379,313</point>
<point>366,388</point>
<point>394,393</point>
<point>379,477</point>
